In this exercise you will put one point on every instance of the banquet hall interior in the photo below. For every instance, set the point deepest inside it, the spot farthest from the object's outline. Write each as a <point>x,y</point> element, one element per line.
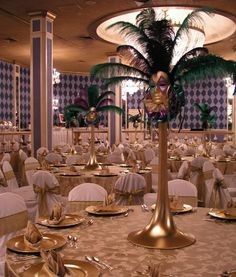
<point>118,138</point>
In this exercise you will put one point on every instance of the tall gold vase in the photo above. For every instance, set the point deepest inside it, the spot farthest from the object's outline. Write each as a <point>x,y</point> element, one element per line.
<point>92,163</point>
<point>161,232</point>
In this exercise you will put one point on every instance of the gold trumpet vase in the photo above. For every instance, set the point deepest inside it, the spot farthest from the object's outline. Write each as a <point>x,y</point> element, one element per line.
<point>161,232</point>
<point>92,163</point>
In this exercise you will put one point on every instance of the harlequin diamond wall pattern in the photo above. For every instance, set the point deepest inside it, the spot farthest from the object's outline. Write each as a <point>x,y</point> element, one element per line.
<point>212,92</point>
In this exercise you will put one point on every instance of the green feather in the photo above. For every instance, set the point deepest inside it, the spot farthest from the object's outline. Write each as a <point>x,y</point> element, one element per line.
<point>110,108</point>
<point>119,80</point>
<point>93,94</point>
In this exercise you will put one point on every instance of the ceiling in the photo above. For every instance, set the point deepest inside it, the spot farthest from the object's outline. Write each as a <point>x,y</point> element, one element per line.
<point>76,48</point>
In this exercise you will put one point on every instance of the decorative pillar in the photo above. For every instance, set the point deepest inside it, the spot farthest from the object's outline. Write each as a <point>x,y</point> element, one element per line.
<point>234,119</point>
<point>41,68</point>
<point>16,96</point>
<point>114,119</point>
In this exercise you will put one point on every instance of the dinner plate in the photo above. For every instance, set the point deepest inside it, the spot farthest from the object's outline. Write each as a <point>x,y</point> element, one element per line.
<point>70,174</point>
<point>69,221</point>
<point>143,171</point>
<point>221,214</point>
<point>186,208</point>
<point>49,241</point>
<point>104,174</point>
<point>93,210</point>
<point>125,165</point>
<point>76,267</point>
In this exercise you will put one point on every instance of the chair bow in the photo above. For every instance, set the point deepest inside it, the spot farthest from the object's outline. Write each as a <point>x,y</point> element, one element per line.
<point>42,191</point>
<point>129,195</point>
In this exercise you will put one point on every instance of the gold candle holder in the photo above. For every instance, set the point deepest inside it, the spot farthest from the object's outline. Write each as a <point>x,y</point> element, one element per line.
<point>161,232</point>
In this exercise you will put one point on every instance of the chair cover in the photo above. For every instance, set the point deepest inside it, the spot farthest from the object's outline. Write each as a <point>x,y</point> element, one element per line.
<point>13,217</point>
<point>116,157</point>
<point>31,164</point>
<point>129,189</point>
<point>149,155</point>
<point>73,159</point>
<point>217,194</point>
<point>196,176</point>
<point>6,157</point>
<point>41,154</point>
<point>22,157</point>
<point>85,195</point>
<point>183,172</point>
<point>47,190</point>
<point>53,158</point>
<point>185,190</point>
<point>9,176</point>
<point>66,148</point>
<point>79,149</point>
<point>16,146</point>
<point>3,183</point>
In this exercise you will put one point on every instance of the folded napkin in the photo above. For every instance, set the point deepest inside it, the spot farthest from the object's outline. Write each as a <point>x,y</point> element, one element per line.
<point>175,204</point>
<point>57,214</point>
<point>54,265</point>
<point>154,270</point>
<point>108,208</point>
<point>230,212</point>
<point>110,199</point>
<point>32,236</point>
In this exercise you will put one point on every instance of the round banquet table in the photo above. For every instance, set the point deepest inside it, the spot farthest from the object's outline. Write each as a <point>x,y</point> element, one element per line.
<point>67,183</point>
<point>213,252</point>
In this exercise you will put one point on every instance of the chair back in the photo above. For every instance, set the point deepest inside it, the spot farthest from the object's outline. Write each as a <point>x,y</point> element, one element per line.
<point>6,157</point>
<point>30,165</point>
<point>84,195</point>
<point>183,172</point>
<point>149,154</point>
<point>9,176</point>
<point>3,183</point>
<point>53,158</point>
<point>129,189</point>
<point>47,190</point>
<point>185,190</point>
<point>13,217</point>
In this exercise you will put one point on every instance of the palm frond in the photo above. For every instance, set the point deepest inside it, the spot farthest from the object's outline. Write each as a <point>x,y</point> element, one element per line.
<point>105,70</point>
<point>199,51</point>
<point>110,108</point>
<point>134,58</point>
<point>104,94</point>
<point>93,94</point>
<point>119,79</point>
<point>194,18</point>
<point>102,102</point>
<point>203,67</point>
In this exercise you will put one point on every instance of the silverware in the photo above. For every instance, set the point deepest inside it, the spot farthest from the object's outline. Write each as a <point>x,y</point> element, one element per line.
<point>144,208</point>
<point>90,259</point>
<point>227,273</point>
<point>96,259</point>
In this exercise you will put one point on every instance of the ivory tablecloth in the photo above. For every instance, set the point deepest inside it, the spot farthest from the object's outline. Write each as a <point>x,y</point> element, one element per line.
<point>213,252</point>
<point>67,183</point>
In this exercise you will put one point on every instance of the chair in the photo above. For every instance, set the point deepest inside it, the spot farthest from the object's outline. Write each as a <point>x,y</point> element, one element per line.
<point>31,164</point>
<point>53,158</point>
<point>13,217</point>
<point>73,159</point>
<point>47,191</point>
<point>185,190</point>
<point>6,157</point>
<point>9,176</point>
<point>216,192</point>
<point>3,183</point>
<point>149,154</point>
<point>85,195</point>
<point>22,157</point>
<point>183,172</point>
<point>129,189</point>
<point>116,157</point>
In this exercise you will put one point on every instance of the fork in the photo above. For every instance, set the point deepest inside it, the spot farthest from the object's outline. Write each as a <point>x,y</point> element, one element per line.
<point>144,208</point>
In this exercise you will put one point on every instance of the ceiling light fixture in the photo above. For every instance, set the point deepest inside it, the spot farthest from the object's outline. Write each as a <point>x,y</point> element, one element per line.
<point>55,76</point>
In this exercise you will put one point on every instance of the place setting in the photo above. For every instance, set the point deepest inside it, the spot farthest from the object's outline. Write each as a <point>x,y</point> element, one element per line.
<point>223,215</point>
<point>58,219</point>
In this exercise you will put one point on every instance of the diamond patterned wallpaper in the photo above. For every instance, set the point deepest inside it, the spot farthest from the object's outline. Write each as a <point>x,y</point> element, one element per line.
<point>6,91</point>
<point>212,92</point>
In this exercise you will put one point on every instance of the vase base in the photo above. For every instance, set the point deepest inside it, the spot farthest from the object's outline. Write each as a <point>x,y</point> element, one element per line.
<point>146,238</point>
<point>92,167</point>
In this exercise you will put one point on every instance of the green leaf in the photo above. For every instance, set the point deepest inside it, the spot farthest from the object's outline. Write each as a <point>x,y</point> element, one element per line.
<point>110,108</point>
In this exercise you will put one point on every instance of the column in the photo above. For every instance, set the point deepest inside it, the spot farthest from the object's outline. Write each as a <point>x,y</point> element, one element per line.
<point>114,119</point>
<point>41,67</point>
<point>234,119</point>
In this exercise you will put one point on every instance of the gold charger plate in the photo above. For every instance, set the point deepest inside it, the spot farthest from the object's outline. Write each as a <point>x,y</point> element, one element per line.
<point>70,174</point>
<point>49,241</point>
<point>143,171</point>
<point>92,210</point>
<point>186,208</point>
<point>58,165</point>
<point>221,214</point>
<point>69,221</point>
<point>105,174</point>
<point>76,267</point>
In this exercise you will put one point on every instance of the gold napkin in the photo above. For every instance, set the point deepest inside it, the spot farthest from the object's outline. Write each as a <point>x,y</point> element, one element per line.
<point>110,199</point>
<point>230,212</point>
<point>57,214</point>
<point>154,270</point>
<point>32,236</point>
<point>108,208</point>
<point>54,265</point>
<point>175,204</point>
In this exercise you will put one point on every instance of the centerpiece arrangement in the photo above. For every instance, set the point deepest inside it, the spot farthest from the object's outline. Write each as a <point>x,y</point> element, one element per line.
<point>91,108</point>
<point>149,61</point>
